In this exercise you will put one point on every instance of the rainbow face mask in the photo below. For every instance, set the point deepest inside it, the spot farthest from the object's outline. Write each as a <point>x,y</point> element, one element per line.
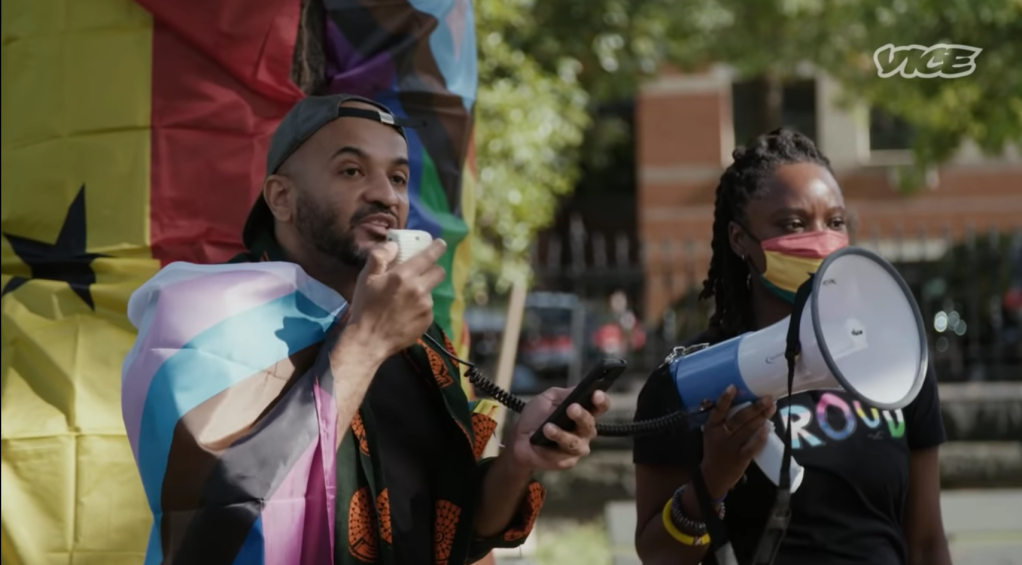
<point>790,259</point>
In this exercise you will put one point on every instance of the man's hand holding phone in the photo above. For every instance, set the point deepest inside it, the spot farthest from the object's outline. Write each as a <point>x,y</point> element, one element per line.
<point>508,476</point>
<point>569,446</point>
<point>555,429</point>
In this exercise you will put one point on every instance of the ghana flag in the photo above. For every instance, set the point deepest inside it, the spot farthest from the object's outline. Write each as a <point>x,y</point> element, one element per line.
<point>134,134</point>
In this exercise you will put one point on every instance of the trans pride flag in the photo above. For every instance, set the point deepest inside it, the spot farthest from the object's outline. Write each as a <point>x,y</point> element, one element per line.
<point>233,433</point>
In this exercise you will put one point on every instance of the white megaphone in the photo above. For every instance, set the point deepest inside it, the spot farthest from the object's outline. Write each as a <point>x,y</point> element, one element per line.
<point>860,331</point>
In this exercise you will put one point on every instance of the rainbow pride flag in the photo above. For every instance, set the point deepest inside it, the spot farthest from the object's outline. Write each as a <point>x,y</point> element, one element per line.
<point>233,432</point>
<point>419,58</point>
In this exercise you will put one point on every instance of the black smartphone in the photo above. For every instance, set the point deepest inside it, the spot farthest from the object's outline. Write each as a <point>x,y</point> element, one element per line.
<point>601,377</point>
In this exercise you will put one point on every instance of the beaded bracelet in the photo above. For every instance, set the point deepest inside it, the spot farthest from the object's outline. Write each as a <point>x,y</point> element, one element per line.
<point>680,518</point>
<point>682,522</point>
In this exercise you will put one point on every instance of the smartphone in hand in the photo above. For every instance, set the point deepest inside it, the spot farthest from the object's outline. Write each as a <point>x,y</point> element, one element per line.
<point>601,377</point>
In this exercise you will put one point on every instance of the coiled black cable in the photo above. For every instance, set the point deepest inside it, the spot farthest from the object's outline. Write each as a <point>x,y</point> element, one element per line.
<point>663,424</point>
<point>654,426</point>
<point>493,389</point>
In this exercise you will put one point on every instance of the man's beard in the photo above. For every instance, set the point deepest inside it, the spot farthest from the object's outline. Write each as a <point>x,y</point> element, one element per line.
<point>319,228</point>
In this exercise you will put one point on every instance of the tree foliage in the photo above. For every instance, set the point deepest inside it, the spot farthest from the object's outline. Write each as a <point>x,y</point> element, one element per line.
<point>985,106</point>
<point>530,122</point>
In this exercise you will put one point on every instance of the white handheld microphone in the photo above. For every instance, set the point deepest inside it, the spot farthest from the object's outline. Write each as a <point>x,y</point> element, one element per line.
<point>409,242</point>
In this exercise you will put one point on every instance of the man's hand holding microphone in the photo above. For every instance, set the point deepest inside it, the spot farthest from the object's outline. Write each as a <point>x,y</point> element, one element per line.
<point>392,305</point>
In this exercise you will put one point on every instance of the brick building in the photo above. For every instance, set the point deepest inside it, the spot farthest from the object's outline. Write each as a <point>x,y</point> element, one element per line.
<point>685,130</point>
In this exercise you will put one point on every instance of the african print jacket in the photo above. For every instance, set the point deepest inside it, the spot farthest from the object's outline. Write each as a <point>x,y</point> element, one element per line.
<point>362,531</point>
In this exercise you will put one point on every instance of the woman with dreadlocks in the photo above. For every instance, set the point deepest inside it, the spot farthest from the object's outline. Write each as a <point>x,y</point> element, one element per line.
<point>871,490</point>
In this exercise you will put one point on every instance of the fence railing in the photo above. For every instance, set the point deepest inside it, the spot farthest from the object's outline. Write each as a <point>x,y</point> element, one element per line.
<point>967,284</point>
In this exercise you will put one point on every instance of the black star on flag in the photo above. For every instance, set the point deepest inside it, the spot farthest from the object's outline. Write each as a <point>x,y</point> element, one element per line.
<point>65,260</point>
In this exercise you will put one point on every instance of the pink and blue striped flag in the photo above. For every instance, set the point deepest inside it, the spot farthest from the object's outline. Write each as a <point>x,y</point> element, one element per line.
<point>233,432</point>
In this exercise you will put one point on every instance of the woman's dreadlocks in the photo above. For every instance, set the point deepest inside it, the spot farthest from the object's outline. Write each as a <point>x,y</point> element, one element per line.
<point>727,280</point>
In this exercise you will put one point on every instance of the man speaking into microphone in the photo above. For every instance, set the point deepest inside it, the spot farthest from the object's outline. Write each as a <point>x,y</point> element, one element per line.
<point>411,488</point>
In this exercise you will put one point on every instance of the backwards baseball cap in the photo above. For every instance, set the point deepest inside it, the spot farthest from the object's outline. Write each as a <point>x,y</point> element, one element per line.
<point>306,118</point>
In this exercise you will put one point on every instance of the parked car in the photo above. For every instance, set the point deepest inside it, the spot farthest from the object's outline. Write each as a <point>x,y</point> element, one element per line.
<point>560,333</point>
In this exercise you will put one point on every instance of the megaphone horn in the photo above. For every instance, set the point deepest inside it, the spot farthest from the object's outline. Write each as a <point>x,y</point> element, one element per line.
<point>860,330</point>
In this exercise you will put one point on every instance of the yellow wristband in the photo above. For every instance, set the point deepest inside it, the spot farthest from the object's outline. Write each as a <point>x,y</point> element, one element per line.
<point>678,534</point>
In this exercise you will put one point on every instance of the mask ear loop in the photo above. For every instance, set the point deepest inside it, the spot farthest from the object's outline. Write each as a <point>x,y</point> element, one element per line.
<point>749,267</point>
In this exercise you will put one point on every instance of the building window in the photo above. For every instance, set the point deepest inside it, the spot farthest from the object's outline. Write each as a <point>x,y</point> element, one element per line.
<point>754,112</point>
<point>888,132</point>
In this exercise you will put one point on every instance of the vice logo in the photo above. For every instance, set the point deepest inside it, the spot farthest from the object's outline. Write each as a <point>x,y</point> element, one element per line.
<point>942,60</point>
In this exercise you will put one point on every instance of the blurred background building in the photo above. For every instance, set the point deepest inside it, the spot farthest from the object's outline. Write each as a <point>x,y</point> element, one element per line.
<point>958,241</point>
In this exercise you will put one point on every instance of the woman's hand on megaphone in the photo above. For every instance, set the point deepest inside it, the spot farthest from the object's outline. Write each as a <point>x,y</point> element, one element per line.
<point>730,444</point>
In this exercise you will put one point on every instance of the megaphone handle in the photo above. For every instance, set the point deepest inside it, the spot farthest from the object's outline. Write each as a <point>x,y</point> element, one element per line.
<point>770,457</point>
<point>736,409</point>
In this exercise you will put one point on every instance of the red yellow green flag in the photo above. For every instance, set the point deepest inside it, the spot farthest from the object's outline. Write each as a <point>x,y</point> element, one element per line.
<point>133,135</point>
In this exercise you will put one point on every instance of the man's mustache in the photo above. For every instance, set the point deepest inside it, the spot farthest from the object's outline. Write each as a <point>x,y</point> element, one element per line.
<point>370,210</point>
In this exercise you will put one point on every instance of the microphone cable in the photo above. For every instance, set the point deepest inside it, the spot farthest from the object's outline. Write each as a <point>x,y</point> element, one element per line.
<point>675,421</point>
<point>654,426</point>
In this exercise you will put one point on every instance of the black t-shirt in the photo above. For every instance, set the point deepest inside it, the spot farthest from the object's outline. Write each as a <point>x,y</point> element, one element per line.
<point>413,436</point>
<point>851,504</point>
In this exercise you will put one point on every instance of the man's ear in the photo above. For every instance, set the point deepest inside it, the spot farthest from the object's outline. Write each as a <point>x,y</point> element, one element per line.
<point>738,239</point>
<point>278,191</point>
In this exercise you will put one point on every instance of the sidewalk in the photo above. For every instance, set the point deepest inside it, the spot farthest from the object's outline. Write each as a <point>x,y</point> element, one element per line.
<point>983,527</point>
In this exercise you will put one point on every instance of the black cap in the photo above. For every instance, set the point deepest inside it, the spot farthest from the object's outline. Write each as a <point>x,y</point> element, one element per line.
<point>306,118</point>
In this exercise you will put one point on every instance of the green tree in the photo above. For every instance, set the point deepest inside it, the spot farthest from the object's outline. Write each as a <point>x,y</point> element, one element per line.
<point>530,122</point>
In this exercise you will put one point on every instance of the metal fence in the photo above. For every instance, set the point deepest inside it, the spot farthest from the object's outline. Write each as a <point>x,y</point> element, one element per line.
<point>967,284</point>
